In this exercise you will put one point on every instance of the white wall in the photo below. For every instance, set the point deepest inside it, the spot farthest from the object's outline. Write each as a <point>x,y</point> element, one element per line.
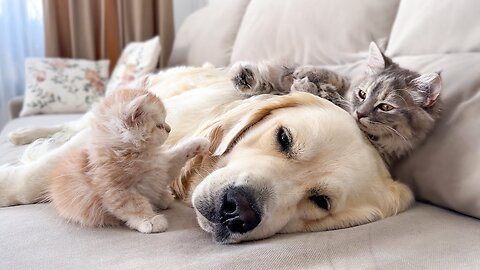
<point>183,8</point>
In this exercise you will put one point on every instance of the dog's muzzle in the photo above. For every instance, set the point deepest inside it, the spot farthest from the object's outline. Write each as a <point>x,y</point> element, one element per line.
<point>235,211</point>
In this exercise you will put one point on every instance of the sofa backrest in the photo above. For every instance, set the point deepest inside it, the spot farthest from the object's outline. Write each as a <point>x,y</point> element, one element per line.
<point>208,34</point>
<point>312,31</point>
<point>324,31</point>
<point>435,27</point>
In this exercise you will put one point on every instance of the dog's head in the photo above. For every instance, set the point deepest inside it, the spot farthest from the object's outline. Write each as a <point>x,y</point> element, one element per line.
<point>289,164</point>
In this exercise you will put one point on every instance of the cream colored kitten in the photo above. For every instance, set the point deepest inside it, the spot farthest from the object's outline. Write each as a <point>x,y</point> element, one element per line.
<point>122,174</point>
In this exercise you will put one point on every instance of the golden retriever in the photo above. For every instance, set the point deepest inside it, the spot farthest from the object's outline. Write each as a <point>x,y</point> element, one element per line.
<point>278,164</point>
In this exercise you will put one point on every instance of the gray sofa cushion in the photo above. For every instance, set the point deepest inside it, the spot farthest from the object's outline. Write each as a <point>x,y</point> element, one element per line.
<point>33,237</point>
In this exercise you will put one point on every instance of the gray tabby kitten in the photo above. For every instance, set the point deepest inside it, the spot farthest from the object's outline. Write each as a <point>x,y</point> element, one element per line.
<point>395,107</point>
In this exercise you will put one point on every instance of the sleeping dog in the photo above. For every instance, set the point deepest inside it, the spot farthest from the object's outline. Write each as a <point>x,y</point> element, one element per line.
<point>277,164</point>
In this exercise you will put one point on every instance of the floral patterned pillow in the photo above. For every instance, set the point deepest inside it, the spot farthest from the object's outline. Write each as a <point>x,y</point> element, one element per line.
<point>137,60</point>
<point>57,85</point>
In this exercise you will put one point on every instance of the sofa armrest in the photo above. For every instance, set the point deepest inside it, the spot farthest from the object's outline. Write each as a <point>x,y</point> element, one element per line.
<point>14,107</point>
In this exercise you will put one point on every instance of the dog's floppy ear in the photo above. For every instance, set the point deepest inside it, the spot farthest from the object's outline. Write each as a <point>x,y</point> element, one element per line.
<point>231,126</point>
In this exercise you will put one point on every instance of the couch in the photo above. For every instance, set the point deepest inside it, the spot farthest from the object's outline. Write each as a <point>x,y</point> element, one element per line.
<point>440,231</point>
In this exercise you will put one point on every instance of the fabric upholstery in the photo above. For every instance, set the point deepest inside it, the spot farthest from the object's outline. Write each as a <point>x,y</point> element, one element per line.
<point>208,34</point>
<point>425,237</point>
<point>435,26</point>
<point>312,31</point>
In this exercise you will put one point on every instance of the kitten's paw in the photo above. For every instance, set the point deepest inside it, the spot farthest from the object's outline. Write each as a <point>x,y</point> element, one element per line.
<point>159,223</point>
<point>155,224</point>
<point>145,227</point>
<point>304,85</point>
<point>22,136</point>
<point>323,90</point>
<point>244,77</point>
<point>164,200</point>
<point>197,146</point>
<point>314,74</point>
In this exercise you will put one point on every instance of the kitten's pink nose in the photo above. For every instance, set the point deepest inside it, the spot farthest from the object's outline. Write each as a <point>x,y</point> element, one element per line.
<point>167,128</point>
<point>361,115</point>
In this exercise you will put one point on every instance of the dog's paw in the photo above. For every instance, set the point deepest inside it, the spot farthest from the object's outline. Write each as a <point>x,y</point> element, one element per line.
<point>154,224</point>
<point>244,77</point>
<point>21,136</point>
<point>197,146</point>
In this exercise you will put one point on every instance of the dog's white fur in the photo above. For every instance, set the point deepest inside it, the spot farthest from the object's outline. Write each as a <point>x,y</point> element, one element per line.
<point>331,156</point>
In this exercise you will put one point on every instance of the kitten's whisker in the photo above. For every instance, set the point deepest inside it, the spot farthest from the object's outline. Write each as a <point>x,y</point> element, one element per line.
<point>391,129</point>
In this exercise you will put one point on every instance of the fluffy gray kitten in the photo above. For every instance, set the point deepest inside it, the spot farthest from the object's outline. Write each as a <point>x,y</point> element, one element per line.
<point>395,107</point>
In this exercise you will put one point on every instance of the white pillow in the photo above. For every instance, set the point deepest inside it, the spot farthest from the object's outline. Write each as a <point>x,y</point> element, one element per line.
<point>58,85</point>
<point>312,32</point>
<point>435,27</point>
<point>137,60</point>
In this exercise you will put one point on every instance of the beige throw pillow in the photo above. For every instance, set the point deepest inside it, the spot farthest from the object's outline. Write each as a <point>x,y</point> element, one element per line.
<point>137,60</point>
<point>57,85</point>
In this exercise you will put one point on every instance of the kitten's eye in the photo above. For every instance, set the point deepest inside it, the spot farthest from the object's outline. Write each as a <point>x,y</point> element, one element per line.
<point>284,139</point>
<point>362,94</point>
<point>385,107</point>
<point>321,201</point>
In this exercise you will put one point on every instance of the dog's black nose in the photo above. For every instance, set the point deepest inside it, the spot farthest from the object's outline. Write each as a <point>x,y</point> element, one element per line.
<point>238,212</point>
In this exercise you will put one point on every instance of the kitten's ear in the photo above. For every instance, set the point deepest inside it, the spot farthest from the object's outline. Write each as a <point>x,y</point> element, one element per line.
<point>429,86</point>
<point>134,109</point>
<point>376,60</point>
